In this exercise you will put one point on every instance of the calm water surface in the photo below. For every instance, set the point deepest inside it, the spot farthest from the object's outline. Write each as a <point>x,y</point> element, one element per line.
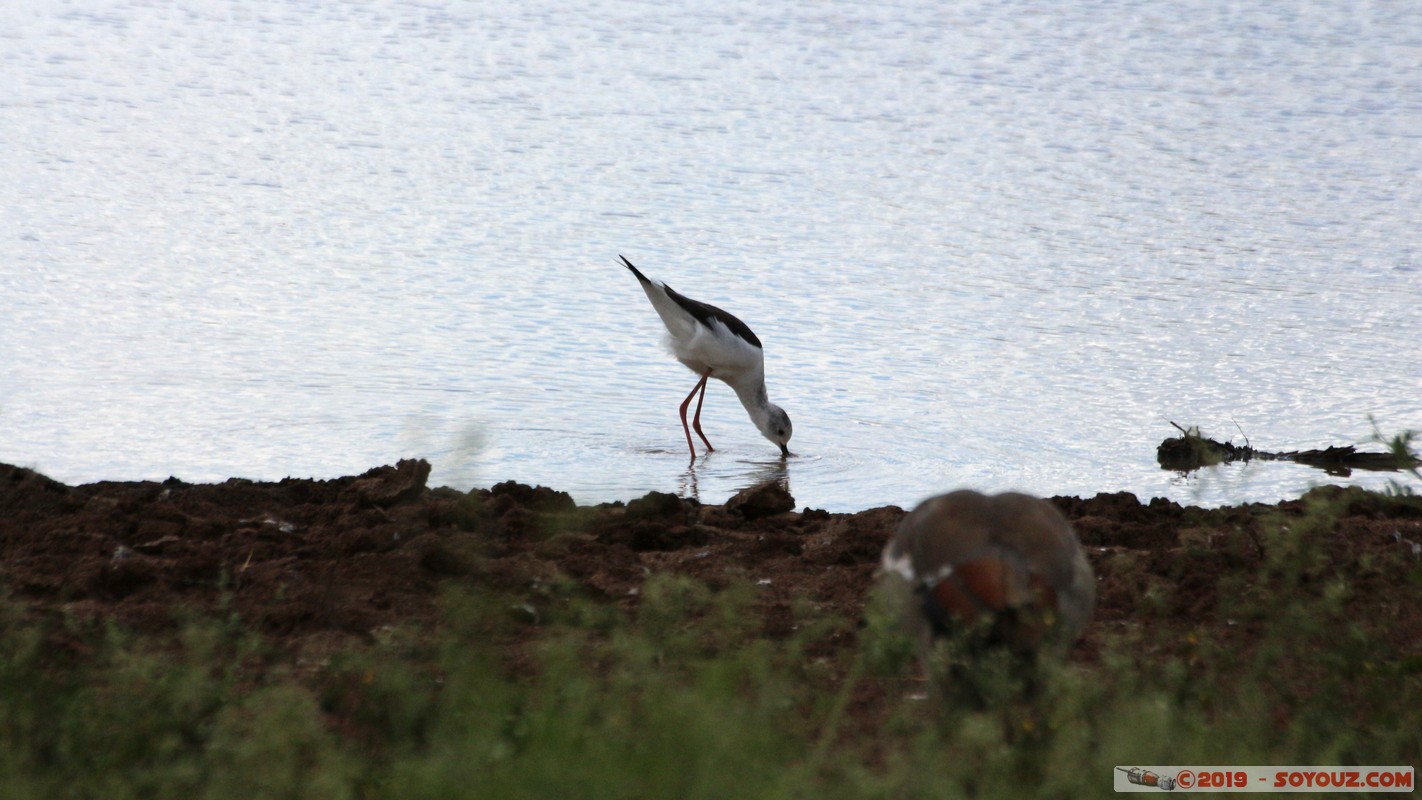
<point>998,245</point>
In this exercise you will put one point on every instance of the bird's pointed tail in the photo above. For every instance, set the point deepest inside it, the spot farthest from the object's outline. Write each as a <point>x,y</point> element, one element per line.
<point>635,271</point>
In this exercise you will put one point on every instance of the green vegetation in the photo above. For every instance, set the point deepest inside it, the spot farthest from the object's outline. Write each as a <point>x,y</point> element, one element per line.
<point>1402,447</point>
<point>556,695</point>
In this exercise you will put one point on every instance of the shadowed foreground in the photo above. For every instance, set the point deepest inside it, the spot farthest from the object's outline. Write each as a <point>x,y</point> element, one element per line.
<point>368,636</point>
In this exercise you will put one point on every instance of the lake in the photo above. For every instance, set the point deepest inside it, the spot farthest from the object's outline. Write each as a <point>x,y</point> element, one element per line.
<point>996,245</point>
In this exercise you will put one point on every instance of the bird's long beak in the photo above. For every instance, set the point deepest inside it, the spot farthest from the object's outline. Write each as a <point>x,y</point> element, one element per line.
<point>784,451</point>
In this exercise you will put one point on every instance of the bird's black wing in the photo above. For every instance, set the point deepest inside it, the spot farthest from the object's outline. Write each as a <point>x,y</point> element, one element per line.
<point>703,312</point>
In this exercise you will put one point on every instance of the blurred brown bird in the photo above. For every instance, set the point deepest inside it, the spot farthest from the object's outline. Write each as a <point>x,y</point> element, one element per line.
<point>1003,570</point>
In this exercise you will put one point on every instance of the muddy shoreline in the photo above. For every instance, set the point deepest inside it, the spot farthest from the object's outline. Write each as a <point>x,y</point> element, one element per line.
<point>321,564</point>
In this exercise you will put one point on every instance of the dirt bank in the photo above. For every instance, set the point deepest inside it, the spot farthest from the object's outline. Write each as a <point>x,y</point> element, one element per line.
<point>316,564</point>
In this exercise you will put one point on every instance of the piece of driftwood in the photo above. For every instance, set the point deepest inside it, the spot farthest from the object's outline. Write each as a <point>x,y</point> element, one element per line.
<point>1190,451</point>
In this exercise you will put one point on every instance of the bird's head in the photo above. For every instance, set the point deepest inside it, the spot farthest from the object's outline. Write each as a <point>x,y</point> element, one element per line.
<point>777,428</point>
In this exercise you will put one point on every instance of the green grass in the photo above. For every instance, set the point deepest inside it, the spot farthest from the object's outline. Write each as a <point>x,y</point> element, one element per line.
<point>1403,447</point>
<point>555,695</point>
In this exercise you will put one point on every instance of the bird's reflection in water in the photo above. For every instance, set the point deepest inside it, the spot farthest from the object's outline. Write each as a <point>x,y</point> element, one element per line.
<point>755,473</point>
<point>760,472</point>
<point>687,486</point>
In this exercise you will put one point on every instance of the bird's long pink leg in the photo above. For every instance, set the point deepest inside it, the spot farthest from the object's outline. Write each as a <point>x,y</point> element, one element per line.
<point>696,422</point>
<point>700,387</point>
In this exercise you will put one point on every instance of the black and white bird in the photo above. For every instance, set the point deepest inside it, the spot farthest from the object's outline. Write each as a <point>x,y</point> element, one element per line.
<point>715,344</point>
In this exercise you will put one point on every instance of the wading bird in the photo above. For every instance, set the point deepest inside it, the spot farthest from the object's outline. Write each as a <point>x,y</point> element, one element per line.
<point>715,344</point>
